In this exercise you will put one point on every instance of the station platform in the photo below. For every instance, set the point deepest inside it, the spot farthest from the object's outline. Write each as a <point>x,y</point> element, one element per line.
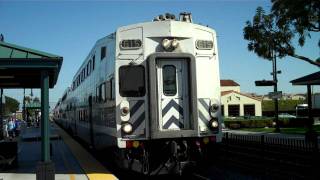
<point>71,160</point>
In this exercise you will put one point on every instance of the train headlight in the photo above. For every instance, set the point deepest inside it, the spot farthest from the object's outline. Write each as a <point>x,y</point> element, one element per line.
<point>127,128</point>
<point>214,124</point>
<point>175,43</point>
<point>124,111</point>
<point>166,44</point>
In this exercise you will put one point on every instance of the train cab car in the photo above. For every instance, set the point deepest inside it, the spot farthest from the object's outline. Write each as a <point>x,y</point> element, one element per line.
<point>149,91</point>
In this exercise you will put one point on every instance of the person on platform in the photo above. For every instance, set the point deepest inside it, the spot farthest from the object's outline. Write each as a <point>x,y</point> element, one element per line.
<point>11,126</point>
<point>5,129</point>
<point>17,127</point>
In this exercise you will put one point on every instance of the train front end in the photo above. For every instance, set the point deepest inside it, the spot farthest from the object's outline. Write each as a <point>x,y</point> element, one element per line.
<point>168,92</point>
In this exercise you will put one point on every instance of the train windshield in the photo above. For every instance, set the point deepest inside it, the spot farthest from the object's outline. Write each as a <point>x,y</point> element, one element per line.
<point>132,81</point>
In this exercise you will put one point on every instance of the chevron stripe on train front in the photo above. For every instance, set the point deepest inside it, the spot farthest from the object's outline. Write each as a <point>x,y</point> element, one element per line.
<point>172,114</point>
<point>204,113</point>
<point>137,117</point>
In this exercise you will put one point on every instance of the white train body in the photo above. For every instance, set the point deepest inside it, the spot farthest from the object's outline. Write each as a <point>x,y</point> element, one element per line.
<point>158,80</point>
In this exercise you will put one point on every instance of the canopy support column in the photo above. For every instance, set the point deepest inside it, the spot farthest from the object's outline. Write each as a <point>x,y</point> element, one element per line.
<point>45,170</point>
<point>310,116</point>
<point>45,125</point>
<point>1,114</point>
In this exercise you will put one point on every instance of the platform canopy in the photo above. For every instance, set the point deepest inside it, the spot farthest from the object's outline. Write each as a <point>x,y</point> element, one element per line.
<point>33,105</point>
<point>311,79</point>
<point>21,67</point>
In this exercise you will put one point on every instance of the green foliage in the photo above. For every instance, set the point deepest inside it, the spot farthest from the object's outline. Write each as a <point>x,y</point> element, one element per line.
<point>301,15</point>
<point>296,130</point>
<point>265,122</point>
<point>265,38</point>
<point>284,105</point>
<point>272,34</point>
<point>253,123</point>
<point>11,105</point>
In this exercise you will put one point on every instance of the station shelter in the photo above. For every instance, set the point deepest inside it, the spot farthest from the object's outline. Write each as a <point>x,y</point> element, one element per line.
<point>22,67</point>
<point>309,81</point>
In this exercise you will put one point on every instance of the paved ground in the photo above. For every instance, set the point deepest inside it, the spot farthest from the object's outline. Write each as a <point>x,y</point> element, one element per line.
<point>70,159</point>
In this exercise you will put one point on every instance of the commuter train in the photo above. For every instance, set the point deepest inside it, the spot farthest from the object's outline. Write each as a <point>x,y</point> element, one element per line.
<point>150,92</point>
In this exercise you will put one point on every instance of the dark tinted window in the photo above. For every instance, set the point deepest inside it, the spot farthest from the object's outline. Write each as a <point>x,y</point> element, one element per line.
<point>169,80</point>
<point>88,70</point>
<point>103,52</point>
<point>93,62</point>
<point>132,81</point>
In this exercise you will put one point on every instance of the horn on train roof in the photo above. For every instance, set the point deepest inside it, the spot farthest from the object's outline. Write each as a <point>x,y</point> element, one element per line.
<point>165,17</point>
<point>185,17</point>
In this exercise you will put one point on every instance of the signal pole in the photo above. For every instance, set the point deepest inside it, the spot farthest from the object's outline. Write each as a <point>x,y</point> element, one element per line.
<point>275,90</point>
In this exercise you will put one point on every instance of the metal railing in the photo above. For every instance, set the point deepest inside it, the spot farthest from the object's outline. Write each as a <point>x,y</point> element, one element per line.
<point>271,157</point>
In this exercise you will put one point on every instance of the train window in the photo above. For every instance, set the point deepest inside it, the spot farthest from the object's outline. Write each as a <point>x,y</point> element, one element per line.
<point>169,80</point>
<point>93,62</point>
<point>112,89</point>
<point>97,94</point>
<point>103,52</point>
<point>132,81</point>
<point>88,70</point>
<point>109,89</point>
<point>103,92</point>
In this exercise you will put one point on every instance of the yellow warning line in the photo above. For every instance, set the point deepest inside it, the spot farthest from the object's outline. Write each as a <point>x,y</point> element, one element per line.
<point>93,169</point>
<point>72,177</point>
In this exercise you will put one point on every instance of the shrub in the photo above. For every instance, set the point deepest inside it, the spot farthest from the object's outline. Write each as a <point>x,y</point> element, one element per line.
<point>261,123</point>
<point>234,126</point>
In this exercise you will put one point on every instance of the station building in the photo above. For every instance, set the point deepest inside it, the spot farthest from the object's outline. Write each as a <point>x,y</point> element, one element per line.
<point>234,103</point>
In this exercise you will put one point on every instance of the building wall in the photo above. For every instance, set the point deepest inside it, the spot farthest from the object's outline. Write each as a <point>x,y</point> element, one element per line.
<point>298,97</point>
<point>234,98</point>
<point>316,101</point>
<point>230,88</point>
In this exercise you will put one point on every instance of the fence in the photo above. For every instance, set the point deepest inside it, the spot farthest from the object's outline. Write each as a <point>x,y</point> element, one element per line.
<point>271,157</point>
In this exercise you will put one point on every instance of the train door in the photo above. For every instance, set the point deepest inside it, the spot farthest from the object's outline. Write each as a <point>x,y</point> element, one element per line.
<point>173,89</point>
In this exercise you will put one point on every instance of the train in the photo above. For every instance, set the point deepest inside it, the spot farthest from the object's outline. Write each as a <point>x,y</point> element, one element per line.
<point>150,94</point>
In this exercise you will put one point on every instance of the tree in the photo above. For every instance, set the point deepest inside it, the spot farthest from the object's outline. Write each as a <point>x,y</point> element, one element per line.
<point>36,100</point>
<point>273,33</point>
<point>11,105</point>
<point>27,99</point>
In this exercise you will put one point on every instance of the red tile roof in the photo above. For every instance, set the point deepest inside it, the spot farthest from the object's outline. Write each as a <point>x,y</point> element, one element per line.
<point>231,91</point>
<point>228,82</point>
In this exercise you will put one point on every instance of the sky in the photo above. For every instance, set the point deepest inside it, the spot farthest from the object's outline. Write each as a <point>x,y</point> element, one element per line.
<point>71,28</point>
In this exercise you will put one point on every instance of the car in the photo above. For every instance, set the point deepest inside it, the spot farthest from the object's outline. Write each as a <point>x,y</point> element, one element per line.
<point>286,115</point>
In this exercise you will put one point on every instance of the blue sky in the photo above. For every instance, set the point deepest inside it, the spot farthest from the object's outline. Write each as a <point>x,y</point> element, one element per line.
<point>70,29</point>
